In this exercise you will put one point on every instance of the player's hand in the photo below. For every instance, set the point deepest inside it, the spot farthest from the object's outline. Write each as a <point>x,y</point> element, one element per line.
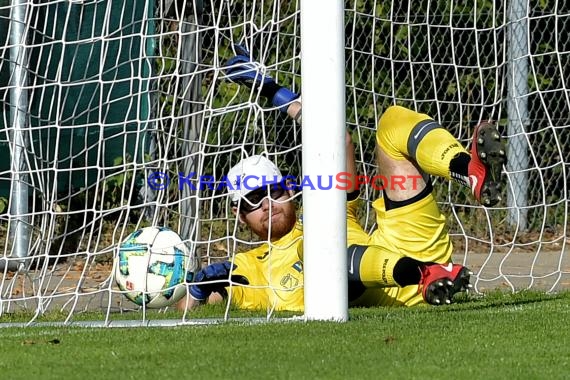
<point>242,70</point>
<point>213,278</point>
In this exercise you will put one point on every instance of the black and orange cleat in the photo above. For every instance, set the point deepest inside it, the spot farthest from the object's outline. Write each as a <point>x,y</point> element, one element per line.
<point>487,159</point>
<point>439,283</point>
<point>461,277</point>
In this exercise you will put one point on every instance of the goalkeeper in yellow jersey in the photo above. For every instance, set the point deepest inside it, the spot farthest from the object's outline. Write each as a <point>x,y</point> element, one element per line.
<point>405,261</point>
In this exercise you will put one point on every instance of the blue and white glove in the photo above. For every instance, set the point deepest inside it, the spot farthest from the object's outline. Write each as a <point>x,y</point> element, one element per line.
<point>242,70</point>
<point>218,272</point>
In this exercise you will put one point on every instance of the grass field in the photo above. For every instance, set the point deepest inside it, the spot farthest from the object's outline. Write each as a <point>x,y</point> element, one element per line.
<point>499,336</point>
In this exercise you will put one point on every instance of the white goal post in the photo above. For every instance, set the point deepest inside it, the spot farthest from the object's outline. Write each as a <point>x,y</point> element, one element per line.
<point>324,211</point>
<point>98,96</point>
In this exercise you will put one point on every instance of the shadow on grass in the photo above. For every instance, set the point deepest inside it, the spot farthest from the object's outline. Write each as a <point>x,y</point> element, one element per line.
<point>462,303</point>
<point>496,299</point>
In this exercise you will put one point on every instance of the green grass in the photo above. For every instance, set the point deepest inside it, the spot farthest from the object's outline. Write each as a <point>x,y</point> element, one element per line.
<point>520,336</point>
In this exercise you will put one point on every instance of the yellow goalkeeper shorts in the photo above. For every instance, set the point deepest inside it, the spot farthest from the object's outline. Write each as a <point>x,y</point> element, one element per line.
<point>417,230</point>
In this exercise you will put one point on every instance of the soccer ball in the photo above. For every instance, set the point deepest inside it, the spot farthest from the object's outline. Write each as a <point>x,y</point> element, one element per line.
<point>151,267</point>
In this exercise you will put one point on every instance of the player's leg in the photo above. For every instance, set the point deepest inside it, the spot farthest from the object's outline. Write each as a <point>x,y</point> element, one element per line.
<point>406,138</point>
<point>371,267</point>
<point>412,145</point>
<point>374,271</point>
<point>408,215</point>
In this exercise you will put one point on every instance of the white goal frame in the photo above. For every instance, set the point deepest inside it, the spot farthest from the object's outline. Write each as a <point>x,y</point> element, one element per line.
<point>324,128</point>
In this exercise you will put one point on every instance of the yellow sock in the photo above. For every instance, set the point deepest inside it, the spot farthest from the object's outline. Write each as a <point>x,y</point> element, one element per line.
<point>404,134</point>
<point>377,267</point>
<point>435,152</point>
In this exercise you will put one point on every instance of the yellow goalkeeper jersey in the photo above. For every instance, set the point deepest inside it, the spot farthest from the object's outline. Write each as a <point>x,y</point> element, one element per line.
<point>275,275</point>
<point>275,271</point>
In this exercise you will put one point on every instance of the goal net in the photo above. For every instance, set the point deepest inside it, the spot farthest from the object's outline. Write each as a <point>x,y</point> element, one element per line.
<point>99,96</point>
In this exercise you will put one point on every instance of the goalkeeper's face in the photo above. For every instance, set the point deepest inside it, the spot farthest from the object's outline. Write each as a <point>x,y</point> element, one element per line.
<point>273,216</point>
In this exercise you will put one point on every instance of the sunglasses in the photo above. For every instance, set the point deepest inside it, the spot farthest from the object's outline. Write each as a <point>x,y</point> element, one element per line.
<point>253,200</point>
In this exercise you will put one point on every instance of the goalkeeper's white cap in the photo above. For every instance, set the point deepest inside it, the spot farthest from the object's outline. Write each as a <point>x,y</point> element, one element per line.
<point>250,174</point>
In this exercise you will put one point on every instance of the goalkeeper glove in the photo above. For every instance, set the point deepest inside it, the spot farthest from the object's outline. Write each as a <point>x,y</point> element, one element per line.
<point>242,70</point>
<point>218,272</point>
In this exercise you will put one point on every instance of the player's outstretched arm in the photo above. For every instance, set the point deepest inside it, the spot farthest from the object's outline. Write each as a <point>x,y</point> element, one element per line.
<point>213,278</point>
<point>208,285</point>
<point>243,70</point>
